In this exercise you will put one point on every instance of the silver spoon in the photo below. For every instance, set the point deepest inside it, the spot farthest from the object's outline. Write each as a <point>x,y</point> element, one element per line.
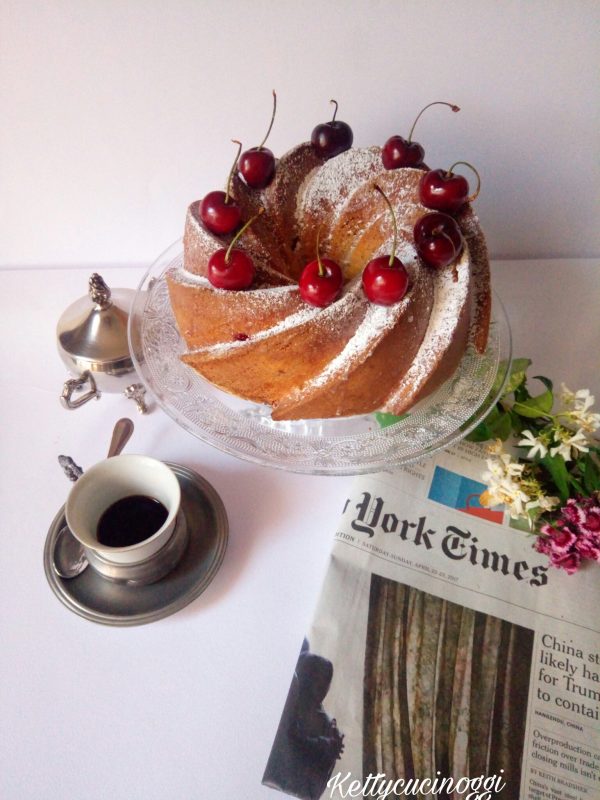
<point>69,559</point>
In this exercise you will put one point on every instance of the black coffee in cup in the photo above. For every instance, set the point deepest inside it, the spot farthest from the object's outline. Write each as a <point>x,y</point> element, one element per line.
<point>130,521</point>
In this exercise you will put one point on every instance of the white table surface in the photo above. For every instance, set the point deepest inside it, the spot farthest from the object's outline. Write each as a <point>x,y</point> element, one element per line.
<point>185,708</point>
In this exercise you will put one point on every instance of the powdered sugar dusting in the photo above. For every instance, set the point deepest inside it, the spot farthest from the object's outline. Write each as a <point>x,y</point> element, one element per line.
<point>376,322</point>
<point>450,296</point>
<point>319,316</point>
<point>337,179</point>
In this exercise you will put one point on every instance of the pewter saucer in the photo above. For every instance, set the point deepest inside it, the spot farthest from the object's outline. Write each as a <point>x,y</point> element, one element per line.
<point>103,601</point>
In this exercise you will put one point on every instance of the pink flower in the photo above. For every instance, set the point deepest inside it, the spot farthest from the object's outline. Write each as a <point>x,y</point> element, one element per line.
<point>573,536</point>
<point>570,562</point>
<point>560,539</point>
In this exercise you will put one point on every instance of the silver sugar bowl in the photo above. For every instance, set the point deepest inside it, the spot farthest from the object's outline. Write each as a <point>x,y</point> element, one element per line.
<point>92,342</point>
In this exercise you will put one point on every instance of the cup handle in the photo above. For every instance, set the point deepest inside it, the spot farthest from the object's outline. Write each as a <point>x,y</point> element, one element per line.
<point>75,384</point>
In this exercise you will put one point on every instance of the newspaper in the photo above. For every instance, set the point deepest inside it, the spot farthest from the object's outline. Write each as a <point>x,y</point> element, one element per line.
<point>446,658</point>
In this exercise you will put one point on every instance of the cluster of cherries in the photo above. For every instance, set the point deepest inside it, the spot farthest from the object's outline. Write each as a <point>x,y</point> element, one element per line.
<point>385,279</point>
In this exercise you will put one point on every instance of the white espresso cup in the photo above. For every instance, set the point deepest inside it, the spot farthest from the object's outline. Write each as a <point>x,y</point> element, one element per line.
<point>114,479</point>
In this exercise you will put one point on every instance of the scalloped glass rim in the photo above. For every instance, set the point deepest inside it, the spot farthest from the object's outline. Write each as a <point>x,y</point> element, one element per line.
<point>340,446</point>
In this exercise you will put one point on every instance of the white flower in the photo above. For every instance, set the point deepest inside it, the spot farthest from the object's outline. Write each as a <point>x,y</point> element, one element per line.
<point>566,395</point>
<point>535,444</point>
<point>584,399</point>
<point>576,442</point>
<point>495,448</point>
<point>543,502</point>
<point>504,491</point>
<point>547,503</point>
<point>579,403</point>
<point>563,450</point>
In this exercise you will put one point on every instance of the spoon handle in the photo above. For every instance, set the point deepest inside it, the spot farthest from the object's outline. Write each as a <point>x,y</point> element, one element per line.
<point>121,435</point>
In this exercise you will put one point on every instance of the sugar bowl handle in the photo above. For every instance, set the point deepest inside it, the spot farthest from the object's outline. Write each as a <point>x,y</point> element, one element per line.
<point>75,384</point>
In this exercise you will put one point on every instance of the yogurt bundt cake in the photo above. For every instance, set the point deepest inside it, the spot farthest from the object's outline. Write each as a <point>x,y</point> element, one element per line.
<point>267,344</point>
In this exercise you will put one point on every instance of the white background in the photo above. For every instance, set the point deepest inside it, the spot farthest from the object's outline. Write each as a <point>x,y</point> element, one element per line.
<point>118,113</point>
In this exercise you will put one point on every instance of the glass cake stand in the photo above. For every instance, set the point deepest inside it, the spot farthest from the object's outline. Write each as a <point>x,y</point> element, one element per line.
<point>338,446</point>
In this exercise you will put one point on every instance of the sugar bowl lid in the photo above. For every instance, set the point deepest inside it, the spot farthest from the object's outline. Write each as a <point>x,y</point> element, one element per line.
<point>92,331</point>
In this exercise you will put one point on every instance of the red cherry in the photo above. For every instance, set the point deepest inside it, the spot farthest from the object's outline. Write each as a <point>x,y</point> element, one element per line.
<point>437,251</point>
<point>329,139</point>
<point>400,152</point>
<point>257,165</point>
<point>444,191</point>
<point>231,268</point>
<point>321,282</point>
<point>218,214</point>
<point>438,239</point>
<point>435,224</point>
<point>383,283</point>
<point>233,272</point>
<point>385,279</point>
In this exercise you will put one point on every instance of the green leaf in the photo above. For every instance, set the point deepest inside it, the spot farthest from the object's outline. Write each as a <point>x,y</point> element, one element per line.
<point>576,485</point>
<point>517,374</point>
<point>546,381</point>
<point>501,427</point>
<point>591,474</point>
<point>385,420</point>
<point>557,468</point>
<point>480,434</point>
<point>534,407</point>
<point>514,382</point>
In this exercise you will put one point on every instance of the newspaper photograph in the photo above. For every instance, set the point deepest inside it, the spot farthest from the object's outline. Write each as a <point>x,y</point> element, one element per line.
<point>446,657</point>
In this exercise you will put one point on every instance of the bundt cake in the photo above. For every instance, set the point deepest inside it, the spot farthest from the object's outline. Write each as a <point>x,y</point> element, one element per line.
<point>268,345</point>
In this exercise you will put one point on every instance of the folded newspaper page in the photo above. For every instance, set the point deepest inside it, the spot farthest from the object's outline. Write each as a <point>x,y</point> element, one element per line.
<point>446,658</point>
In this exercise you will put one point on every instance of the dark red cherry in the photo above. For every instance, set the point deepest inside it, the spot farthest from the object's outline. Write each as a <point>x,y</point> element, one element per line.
<point>321,282</point>
<point>443,190</point>
<point>218,211</point>
<point>219,215</point>
<point>257,165</point>
<point>400,152</point>
<point>437,223</point>
<point>385,279</point>
<point>329,139</point>
<point>437,251</point>
<point>385,283</point>
<point>438,239</point>
<point>232,268</point>
<point>235,271</point>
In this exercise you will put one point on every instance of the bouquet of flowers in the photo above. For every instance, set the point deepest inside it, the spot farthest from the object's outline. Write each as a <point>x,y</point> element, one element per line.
<point>544,466</point>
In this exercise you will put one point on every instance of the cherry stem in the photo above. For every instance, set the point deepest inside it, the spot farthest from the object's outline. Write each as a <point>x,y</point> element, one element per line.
<point>336,109</point>
<point>470,166</point>
<point>260,146</point>
<point>239,233</point>
<point>232,170</point>
<point>435,103</point>
<point>394,223</point>
<point>322,272</point>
